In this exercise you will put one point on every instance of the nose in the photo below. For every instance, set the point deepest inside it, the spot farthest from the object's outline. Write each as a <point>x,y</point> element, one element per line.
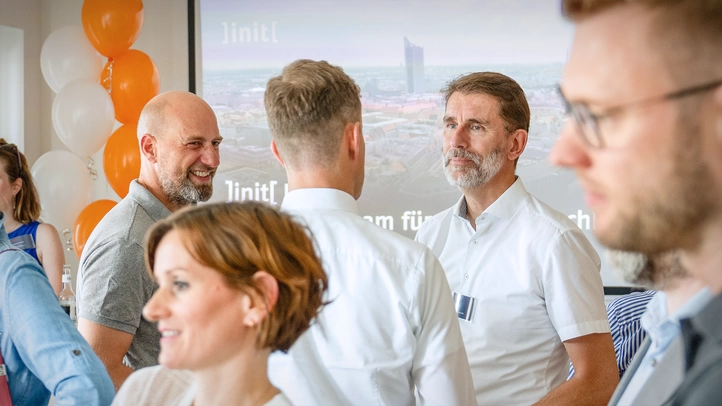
<point>156,309</point>
<point>569,150</point>
<point>211,156</point>
<point>458,137</point>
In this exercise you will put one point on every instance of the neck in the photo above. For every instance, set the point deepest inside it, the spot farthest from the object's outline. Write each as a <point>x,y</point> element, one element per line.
<point>241,380</point>
<point>703,261</point>
<point>316,178</point>
<point>480,198</point>
<point>680,292</point>
<point>152,184</point>
<point>10,223</point>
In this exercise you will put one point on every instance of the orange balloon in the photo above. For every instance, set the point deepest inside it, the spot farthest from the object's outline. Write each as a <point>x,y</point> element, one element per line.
<point>121,158</point>
<point>132,79</point>
<point>87,220</point>
<point>112,25</point>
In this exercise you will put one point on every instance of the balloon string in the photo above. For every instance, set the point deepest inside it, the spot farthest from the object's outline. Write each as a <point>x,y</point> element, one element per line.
<point>68,239</point>
<point>108,82</point>
<point>93,172</point>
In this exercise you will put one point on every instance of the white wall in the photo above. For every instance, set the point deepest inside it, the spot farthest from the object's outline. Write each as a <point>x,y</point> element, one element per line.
<point>164,38</point>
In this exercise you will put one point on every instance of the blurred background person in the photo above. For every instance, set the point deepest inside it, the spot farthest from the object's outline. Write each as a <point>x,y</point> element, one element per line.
<point>21,205</point>
<point>226,300</point>
<point>658,366</point>
<point>42,350</point>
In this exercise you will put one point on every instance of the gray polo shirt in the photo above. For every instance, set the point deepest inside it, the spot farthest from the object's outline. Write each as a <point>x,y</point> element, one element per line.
<point>113,283</point>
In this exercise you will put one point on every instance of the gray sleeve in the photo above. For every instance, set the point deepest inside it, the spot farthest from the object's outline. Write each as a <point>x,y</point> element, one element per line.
<point>113,285</point>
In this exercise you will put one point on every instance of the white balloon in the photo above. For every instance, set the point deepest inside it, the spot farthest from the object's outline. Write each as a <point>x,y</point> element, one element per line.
<point>64,184</point>
<point>67,55</point>
<point>83,116</point>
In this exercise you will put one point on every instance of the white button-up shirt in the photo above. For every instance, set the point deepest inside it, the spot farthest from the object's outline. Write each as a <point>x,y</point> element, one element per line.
<point>390,327</point>
<point>535,279</point>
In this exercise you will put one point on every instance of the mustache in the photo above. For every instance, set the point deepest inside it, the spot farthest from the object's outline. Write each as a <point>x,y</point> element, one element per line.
<point>461,153</point>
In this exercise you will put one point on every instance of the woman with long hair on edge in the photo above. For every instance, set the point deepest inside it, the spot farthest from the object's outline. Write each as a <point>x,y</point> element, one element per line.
<point>20,202</point>
<point>237,281</point>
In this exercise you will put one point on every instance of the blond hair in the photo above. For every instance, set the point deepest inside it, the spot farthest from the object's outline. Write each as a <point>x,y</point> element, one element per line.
<point>308,107</point>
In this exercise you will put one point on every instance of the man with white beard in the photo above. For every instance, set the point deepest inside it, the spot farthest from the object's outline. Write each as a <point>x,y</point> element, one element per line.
<point>658,366</point>
<point>525,279</point>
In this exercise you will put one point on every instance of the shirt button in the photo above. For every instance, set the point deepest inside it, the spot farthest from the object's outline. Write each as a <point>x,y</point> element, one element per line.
<point>466,276</point>
<point>476,241</point>
<point>653,362</point>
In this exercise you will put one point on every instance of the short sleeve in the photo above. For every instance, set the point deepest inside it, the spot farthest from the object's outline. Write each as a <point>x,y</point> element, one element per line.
<point>573,289</point>
<point>113,285</point>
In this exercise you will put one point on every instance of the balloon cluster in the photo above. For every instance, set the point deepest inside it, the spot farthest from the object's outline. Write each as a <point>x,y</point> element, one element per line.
<point>90,96</point>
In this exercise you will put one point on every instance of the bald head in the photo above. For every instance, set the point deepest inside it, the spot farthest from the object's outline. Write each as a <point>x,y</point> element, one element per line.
<point>164,109</point>
<point>179,144</point>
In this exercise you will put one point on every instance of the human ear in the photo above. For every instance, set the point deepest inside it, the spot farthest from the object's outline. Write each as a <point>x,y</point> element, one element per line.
<point>17,185</point>
<point>274,149</point>
<point>148,147</point>
<point>519,139</point>
<point>354,134</point>
<point>260,305</point>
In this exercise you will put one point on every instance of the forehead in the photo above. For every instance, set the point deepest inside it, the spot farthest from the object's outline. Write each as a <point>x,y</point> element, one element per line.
<point>184,123</point>
<point>170,253</point>
<point>612,60</point>
<point>465,106</point>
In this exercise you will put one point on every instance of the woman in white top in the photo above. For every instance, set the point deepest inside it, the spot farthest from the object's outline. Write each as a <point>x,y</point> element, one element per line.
<point>236,282</point>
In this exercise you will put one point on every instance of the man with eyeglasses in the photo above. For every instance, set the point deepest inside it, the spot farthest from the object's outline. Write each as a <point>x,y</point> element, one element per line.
<point>525,279</point>
<point>643,87</point>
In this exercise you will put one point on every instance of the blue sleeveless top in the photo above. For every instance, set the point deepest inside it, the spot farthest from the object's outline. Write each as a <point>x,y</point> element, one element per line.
<point>24,238</point>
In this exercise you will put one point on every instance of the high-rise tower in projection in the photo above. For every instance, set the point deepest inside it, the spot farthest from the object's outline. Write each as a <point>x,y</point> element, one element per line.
<point>415,79</point>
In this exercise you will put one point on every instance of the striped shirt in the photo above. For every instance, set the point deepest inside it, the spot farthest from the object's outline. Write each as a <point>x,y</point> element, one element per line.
<point>625,313</point>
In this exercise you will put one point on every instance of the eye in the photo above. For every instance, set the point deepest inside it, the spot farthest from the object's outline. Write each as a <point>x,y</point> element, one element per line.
<point>477,127</point>
<point>216,143</point>
<point>180,285</point>
<point>451,126</point>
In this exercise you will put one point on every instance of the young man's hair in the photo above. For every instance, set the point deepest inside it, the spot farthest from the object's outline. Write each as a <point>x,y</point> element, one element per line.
<point>685,33</point>
<point>308,106</point>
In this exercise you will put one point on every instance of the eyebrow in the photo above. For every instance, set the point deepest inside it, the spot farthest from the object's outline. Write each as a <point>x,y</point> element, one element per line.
<point>448,119</point>
<point>200,138</point>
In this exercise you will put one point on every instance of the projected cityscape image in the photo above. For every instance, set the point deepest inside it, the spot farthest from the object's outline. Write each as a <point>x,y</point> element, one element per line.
<point>400,73</point>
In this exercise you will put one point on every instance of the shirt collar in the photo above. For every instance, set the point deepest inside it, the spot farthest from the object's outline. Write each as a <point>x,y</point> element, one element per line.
<point>154,207</point>
<point>319,198</point>
<point>707,320</point>
<point>656,311</point>
<point>503,207</point>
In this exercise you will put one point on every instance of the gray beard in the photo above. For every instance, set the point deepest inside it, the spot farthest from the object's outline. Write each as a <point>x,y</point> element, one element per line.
<point>183,193</point>
<point>484,168</point>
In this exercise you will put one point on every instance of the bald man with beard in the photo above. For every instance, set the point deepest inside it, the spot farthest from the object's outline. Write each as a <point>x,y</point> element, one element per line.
<point>179,145</point>
<point>658,366</point>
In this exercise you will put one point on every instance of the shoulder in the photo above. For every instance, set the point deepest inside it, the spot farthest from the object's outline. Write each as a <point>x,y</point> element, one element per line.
<point>153,385</point>
<point>435,223</point>
<point>630,307</point>
<point>541,214</point>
